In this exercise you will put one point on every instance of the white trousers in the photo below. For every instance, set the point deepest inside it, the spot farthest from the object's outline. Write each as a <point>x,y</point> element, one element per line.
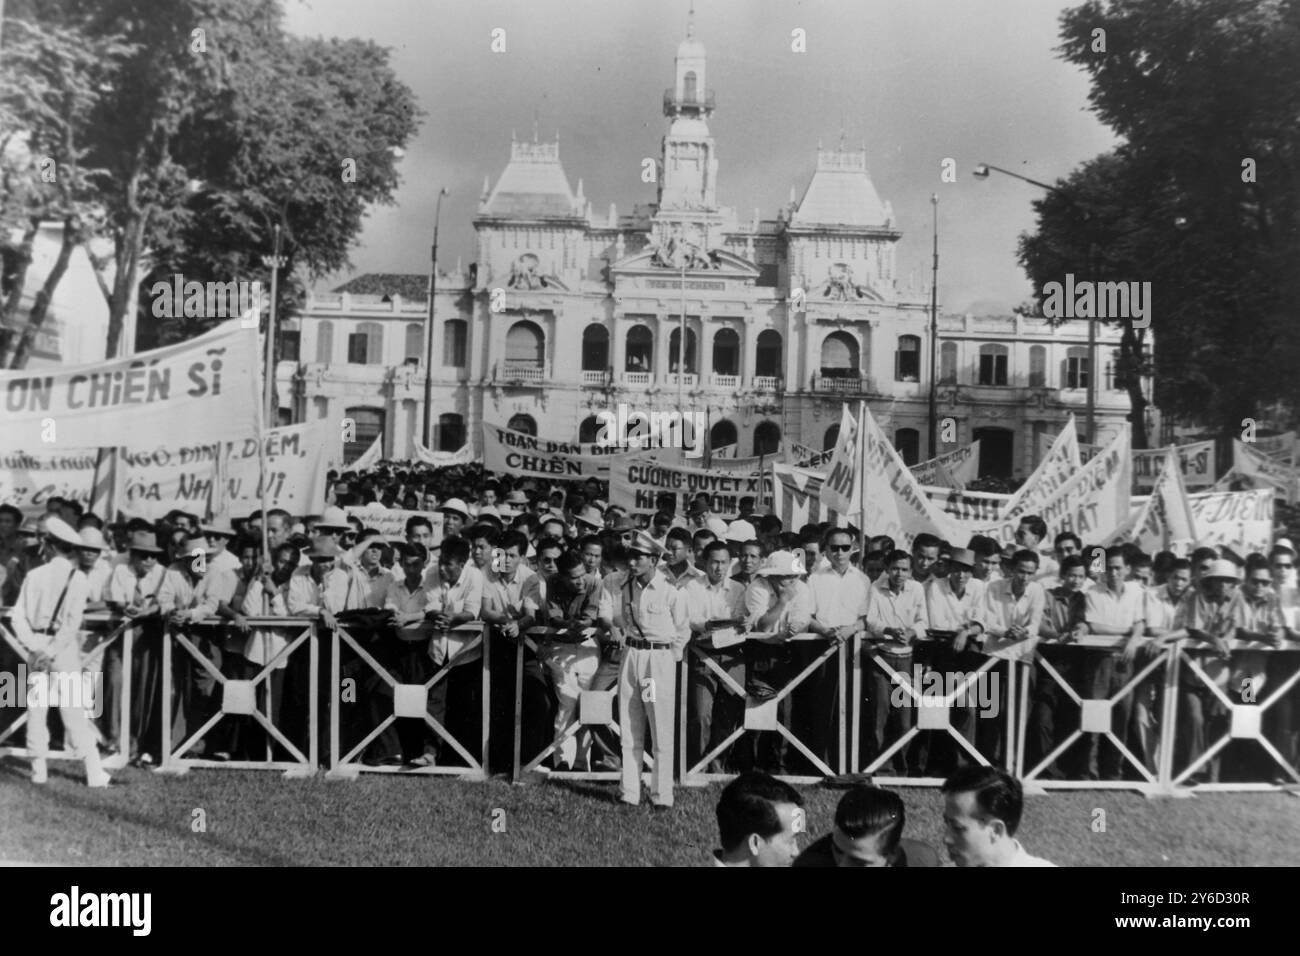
<point>647,691</point>
<point>571,668</point>
<point>76,726</point>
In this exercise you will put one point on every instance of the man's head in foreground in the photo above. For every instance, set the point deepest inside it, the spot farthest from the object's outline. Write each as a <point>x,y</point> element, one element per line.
<point>758,820</point>
<point>981,813</point>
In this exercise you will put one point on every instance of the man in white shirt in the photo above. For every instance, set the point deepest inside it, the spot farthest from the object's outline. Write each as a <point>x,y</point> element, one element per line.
<point>1113,607</point>
<point>1030,535</point>
<point>841,596</point>
<point>955,608</point>
<point>46,621</point>
<point>456,604</point>
<point>715,603</point>
<point>981,816</point>
<point>896,619</point>
<point>759,822</point>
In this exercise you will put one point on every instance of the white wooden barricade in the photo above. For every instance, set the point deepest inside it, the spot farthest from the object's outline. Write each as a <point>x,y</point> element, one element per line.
<point>595,709</point>
<point>409,700</point>
<point>933,712</point>
<point>124,632</point>
<point>1246,720</point>
<point>239,698</point>
<point>1095,717</point>
<point>759,714</point>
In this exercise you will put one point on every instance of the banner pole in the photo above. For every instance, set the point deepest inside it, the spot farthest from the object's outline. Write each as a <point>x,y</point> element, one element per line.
<point>862,481</point>
<point>261,478</point>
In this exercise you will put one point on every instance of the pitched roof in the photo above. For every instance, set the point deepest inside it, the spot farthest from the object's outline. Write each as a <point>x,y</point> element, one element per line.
<point>533,186</point>
<point>841,194</point>
<point>413,287</point>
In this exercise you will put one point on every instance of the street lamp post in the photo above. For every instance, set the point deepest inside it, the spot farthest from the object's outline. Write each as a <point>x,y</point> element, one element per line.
<point>275,262</point>
<point>428,336</point>
<point>934,329</point>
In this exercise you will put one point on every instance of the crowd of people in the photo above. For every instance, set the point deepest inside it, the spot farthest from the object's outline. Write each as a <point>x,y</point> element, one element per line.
<point>594,599</point>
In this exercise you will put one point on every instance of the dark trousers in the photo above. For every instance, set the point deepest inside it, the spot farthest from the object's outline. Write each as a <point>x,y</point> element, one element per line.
<point>816,702</point>
<point>937,753</point>
<point>714,710</point>
<point>1106,674</point>
<point>766,749</point>
<point>146,689</point>
<point>1051,710</point>
<point>886,722</point>
<point>248,739</point>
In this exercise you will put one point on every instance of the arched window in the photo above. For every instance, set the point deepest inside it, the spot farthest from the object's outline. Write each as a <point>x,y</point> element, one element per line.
<point>948,363</point>
<point>767,438</point>
<point>767,360</point>
<point>908,443</point>
<point>370,425</point>
<point>595,348</point>
<point>1037,366</point>
<point>831,437</point>
<point>366,344</point>
<point>993,365</point>
<point>640,349</point>
<point>414,342</point>
<point>726,352</point>
<point>673,340</point>
<point>451,432</point>
<point>722,434</point>
<point>1074,370</point>
<point>590,428</point>
<point>525,346</point>
<point>840,356</point>
<point>523,423</point>
<point>453,343</point>
<point>688,87</point>
<point>907,360</point>
<point>325,342</point>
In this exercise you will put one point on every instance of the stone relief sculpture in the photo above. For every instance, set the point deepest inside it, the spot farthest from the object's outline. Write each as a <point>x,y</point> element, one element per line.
<point>524,274</point>
<point>839,285</point>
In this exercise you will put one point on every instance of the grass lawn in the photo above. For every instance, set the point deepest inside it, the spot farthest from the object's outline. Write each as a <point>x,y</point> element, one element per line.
<point>255,818</point>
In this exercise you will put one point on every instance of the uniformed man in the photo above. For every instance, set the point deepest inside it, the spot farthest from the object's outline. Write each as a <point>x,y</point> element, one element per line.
<point>46,620</point>
<point>650,618</point>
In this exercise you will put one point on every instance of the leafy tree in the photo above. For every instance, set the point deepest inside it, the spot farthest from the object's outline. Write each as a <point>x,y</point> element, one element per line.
<point>1204,95</point>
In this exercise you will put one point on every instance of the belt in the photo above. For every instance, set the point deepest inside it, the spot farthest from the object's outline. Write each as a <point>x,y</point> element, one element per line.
<point>641,645</point>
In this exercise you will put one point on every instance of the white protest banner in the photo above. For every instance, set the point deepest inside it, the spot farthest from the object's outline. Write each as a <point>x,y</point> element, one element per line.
<point>726,451</point>
<point>1282,447</point>
<point>962,465</point>
<point>371,457</point>
<point>444,459</point>
<point>839,491</point>
<point>391,522</point>
<point>1197,461</point>
<point>796,498</point>
<point>801,456</point>
<point>892,501</point>
<point>635,483</point>
<point>1094,502</point>
<point>28,481</point>
<point>1284,478</point>
<point>745,466</point>
<point>153,481</point>
<point>511,452</point>
<point>1166,521</point>
<point>166,393</point>
<point>1243,520</point>
<point>968,507</point>
<point>1056,468</point>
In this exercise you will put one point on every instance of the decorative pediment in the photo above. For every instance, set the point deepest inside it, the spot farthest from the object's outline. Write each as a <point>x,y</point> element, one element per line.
<point>715,263</point>
<point>525,276</point>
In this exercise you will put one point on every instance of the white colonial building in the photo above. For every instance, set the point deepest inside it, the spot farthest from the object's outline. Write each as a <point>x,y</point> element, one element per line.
<point>567,312</point>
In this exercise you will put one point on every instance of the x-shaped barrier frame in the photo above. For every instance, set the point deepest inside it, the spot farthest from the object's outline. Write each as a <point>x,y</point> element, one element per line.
<point>124,630</point>
<point>759,714</point>
<point>934,712</point>
<point>595,709</point>
<point>239,698</point>
<point>409,700</point>
<point>1246,720</point>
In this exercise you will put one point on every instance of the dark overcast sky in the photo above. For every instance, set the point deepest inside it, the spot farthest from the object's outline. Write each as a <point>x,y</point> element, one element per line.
<point>915,80</point>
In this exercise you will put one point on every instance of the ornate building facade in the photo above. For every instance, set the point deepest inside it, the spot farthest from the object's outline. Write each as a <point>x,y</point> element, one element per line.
<point>567,312</point>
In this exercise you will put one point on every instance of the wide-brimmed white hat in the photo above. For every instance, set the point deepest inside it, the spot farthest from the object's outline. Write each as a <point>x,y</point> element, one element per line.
<point>1223,569</point>
<point>60,530</point>
<point>740,531</point>
<point>783,564</point>
<point>456,505</point>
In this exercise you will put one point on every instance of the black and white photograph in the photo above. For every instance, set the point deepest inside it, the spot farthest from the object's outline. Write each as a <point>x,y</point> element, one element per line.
<point>689,433</point>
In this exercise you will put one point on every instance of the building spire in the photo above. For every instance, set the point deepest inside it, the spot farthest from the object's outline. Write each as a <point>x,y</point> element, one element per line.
<point>690,22</point>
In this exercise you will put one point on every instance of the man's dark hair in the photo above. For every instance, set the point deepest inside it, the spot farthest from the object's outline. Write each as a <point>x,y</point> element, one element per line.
<point>881,542</point>
<point>898,554</point>
<point>484,532</point>
<point>1178,564</point>
<point>748,805</point>
<point>1204,554</point>
<point>89,520</point>
<point>417,521</point>
<point>679,534</point>
<point>513,539</point>
<point>549,544</point>
<point>769,524</point>
<point>455,548</point>
<point>1024,554</point>
<point>925,540</point>
<point>1119,551</point>
<point>871,811</point>
<point>568,561</point>
<point>1037,526</point>
<point>1072,562</point>
<point>702,537</point>
<point>587,539</point>
<point>998,795</point>
<point>1067,536</point>
<point>715,546</point>
<point>415,551</point>
<point>984,546</point>
<point>1255,561</point>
